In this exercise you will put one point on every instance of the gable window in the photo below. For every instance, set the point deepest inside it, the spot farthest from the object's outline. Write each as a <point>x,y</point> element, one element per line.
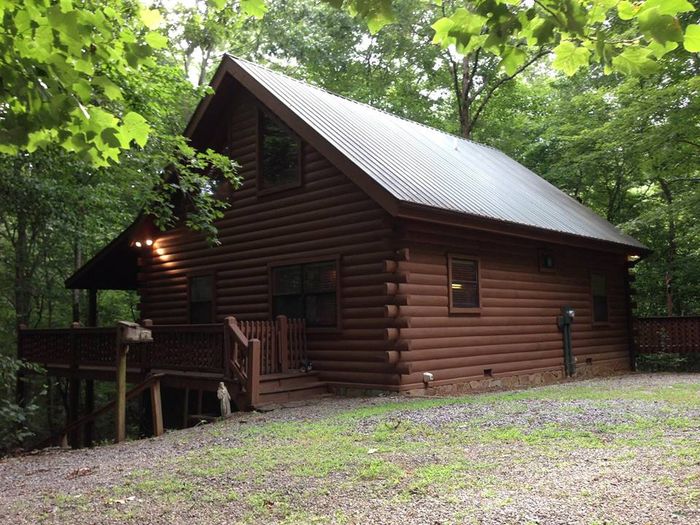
<point>278,155</point>
<point>201,299</point>
<point>307,291</point>
<point>464,284</point>
<point>599,289</point>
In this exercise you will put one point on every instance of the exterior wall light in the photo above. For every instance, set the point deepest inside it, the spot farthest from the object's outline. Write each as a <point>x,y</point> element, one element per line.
<point>149,242</point>
<point>138,244</point>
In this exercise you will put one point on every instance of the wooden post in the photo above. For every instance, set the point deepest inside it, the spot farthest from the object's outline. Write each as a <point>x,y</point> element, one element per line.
<point>283,341</point>
<point>73,410</point>
<point>156,409</point>
<point>92,307</point>
<point>20,393</point>
<point>122,350</point>
<point>254,356</point>
<point>88,431</point>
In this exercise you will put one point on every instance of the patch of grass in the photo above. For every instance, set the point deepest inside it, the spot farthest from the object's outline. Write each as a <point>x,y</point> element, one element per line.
<point>379,469</point>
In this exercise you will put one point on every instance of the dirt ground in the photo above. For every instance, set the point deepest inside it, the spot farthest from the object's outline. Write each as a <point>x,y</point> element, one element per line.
<point>623,450</point>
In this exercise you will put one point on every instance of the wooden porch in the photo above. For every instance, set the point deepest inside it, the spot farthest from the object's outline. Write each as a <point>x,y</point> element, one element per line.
<point>260,362</point>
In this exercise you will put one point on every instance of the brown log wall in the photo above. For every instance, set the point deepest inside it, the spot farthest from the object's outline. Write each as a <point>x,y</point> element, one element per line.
<point>327,217</point>
<point>515,331</point>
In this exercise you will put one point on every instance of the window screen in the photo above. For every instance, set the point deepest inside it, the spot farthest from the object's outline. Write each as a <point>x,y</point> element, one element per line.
<point>307,291</point>
<point>279,154</point>
<point>201,294</point>
<point>599,288</point>
<point>464,284</point>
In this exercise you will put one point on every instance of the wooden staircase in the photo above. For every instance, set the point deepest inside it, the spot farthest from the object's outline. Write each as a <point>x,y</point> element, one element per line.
<point>291,386</point>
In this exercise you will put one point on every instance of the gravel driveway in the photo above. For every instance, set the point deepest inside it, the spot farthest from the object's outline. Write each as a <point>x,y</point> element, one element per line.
<point>622,450</point>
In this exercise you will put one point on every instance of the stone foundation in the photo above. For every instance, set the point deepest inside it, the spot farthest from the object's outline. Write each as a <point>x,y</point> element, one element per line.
<point>543,377</point>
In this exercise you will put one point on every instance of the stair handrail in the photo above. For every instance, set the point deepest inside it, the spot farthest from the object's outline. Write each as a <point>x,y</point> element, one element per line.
<point>243,360</point>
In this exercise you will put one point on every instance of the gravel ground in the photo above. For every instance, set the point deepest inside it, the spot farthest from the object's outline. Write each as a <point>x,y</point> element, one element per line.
<point>622,450</point>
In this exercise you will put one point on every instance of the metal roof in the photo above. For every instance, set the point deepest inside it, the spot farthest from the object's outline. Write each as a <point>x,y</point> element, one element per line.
<point>421,165</point>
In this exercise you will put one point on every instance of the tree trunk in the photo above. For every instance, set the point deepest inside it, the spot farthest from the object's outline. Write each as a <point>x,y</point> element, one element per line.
<point>22,285</point>
<point>77,263</point>
<point>671,248</point>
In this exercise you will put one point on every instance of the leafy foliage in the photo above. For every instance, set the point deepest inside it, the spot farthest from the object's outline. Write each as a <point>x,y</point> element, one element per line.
<point>619,35</point>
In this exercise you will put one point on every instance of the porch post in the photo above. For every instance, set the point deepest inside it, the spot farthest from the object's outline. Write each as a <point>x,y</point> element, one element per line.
<point>92,307</point>
<point>283,341</point>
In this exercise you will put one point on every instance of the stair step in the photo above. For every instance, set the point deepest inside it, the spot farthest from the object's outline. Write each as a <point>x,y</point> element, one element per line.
<point>297,394</point>
<point>289,383</point>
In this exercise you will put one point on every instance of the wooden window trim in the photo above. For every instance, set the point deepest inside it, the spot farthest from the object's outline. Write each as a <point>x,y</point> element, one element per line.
<point>214,296</point>
<point>259,182</point>
<point>474,310</point>
<point>591,273</point>
<point>292,261</point>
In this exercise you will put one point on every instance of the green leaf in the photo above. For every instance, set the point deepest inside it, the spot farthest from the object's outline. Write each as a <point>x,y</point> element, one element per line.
<point>156,40</point>
<point>110,89</point>
<point>135,127</point>
<point>635,61</point>
<point>217,4</point>
<point>513,58</point>
<point>442,32</point>
<point>626,11</point>
<point>570,58</point>
<point>151,18</point>
<point>659,50</point>
<point>667,7</point>
<point>255,8</point>
<point>660,27</point>
<point>691,42</point>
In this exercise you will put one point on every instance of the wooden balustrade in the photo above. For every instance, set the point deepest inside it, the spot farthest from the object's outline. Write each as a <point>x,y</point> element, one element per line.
<point>243,350</point>
<point>654,335</point>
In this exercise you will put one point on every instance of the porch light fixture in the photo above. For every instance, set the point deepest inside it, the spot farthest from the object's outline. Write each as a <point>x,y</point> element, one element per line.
<point>149,242</point>
<point>138,244</point>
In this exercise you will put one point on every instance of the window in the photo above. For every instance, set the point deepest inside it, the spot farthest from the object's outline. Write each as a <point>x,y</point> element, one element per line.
<point>201,299</point>
<point>464,284</point>
<point>599,289</point>
<point>546,260</point>
<point>278,163</point>
<point>307,291</point>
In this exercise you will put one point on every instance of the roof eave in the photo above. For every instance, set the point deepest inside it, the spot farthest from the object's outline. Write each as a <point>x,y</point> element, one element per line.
<point>410,210</point>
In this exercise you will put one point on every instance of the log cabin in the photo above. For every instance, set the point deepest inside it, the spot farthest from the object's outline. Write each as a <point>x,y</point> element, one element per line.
<point>378,252</point>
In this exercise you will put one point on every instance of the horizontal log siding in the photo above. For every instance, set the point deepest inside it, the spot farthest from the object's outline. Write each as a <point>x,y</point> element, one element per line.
<point>515,331</point>
<point>327,216</point>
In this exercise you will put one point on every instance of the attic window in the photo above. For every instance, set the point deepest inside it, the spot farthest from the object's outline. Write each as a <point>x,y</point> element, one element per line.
<point>278,155</point>
<point>464,289</point>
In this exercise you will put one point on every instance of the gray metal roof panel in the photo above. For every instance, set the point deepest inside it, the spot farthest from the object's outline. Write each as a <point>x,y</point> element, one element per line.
<point>421,165</point>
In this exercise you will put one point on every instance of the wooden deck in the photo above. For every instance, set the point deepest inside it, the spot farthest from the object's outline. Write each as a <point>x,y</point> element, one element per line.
<point>259,361</point>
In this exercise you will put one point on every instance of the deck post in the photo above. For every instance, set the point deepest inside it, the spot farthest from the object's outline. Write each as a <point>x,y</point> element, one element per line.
<point>156,408</point>
<point>283,341</point>
<point>92,307</point>
<point>122,350</point>
<point>254,356</point>
<point>88,431</point>
<point>20,392</point>
<point>74,439</point>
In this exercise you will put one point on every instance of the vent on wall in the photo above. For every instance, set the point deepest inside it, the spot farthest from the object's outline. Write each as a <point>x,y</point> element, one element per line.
<point>488,372</point>
<point>589,360</point>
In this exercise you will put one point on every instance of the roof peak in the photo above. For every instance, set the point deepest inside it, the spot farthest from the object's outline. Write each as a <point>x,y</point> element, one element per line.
<point>359,102</point>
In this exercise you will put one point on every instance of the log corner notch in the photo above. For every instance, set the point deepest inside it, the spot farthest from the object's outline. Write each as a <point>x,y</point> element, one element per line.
<point>243,358</point>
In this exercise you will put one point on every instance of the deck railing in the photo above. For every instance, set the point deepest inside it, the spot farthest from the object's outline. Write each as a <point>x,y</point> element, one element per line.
<point>654,335</point>
<point>185,348</point>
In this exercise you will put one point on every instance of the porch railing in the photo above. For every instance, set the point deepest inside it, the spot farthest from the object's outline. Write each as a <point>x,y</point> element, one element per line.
<point>204,348</point>
<point>678,335</point>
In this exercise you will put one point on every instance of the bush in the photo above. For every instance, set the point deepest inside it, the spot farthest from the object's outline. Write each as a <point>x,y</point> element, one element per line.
<point>668,362</point>
<point>14,418</point>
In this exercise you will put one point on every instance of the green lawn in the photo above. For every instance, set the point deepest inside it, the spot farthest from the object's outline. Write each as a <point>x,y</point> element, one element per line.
<point>623,450</point>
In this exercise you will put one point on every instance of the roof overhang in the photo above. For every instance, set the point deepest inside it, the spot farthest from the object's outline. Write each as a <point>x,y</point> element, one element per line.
<point>114,267</point>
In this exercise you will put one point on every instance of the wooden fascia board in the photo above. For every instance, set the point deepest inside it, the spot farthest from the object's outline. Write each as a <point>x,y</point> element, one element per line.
<point>412,211</point>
